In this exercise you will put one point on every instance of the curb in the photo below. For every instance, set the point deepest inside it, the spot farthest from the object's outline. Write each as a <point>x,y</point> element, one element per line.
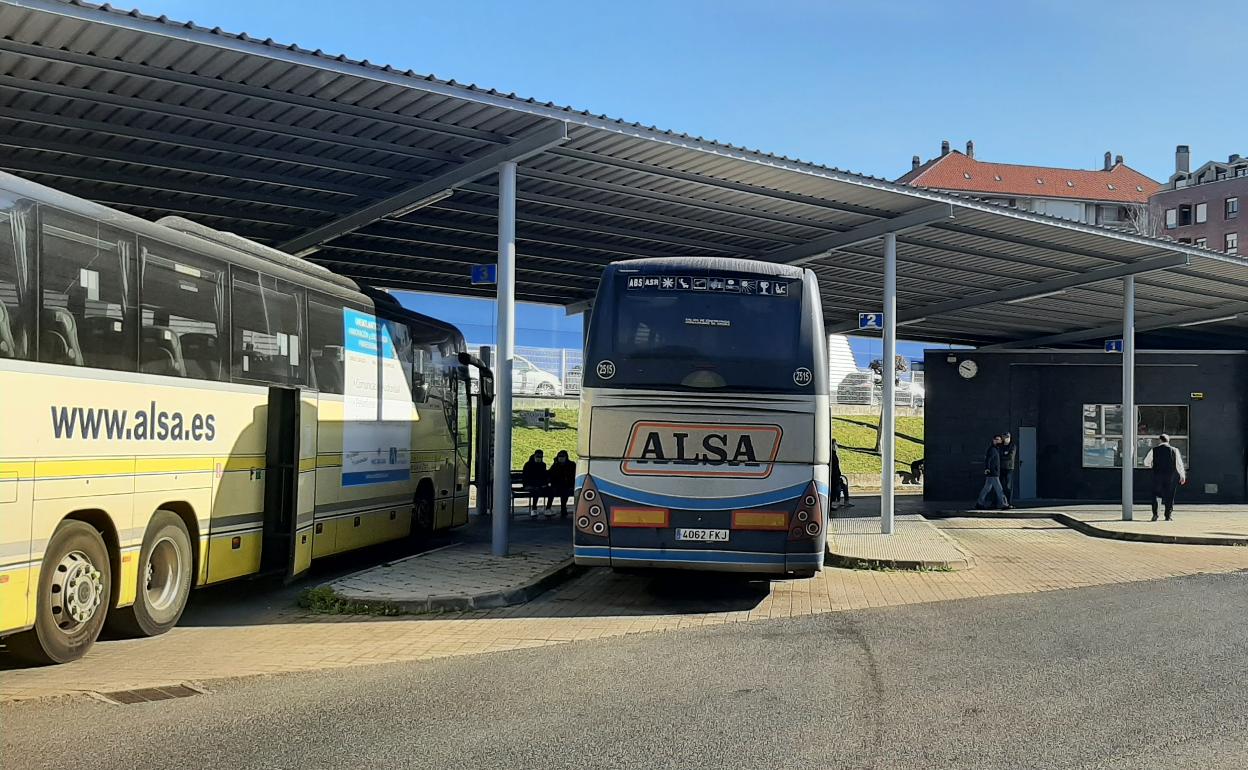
<point>1146,537</point>
<point>1014,514</point>
<point>833,559</point>
<point>564,570</point>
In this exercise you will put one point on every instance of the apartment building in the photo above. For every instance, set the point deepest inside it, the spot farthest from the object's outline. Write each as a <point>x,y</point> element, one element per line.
<point>1202,207</point>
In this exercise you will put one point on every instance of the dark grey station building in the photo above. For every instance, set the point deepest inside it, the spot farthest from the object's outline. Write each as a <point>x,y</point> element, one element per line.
<point>1064,410</point>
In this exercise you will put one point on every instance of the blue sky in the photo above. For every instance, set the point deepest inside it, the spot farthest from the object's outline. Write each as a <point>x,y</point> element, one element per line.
<point>860,86</point>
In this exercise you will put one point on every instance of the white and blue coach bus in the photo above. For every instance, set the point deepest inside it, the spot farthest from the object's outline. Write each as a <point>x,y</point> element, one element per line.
<point>705,420</point>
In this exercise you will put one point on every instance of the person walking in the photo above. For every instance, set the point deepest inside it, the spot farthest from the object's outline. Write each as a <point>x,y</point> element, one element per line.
<point>1009,461</point>
<point>992,476</point>
<point>562,482</point>
<point>1168,474</point>
<point>535,478</point>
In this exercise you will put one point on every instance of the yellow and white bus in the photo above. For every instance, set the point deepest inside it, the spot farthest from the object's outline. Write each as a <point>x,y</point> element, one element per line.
<point>181,407</point>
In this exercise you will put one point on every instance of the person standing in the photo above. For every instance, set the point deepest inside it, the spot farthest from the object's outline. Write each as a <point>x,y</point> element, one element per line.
<point>562,482</point>
<point>1168,474</point>
<point>535,479</point>
<point>1009,460</point>
<point>992,476</point>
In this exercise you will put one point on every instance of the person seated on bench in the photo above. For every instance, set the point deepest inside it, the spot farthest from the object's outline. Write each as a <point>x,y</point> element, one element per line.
<point>562,482</point>
<point>536,480</point>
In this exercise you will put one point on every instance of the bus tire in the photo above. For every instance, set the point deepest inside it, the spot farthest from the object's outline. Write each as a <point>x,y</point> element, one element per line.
<point>166,571</point>
<point>74,590</point>
<point>423,513</point>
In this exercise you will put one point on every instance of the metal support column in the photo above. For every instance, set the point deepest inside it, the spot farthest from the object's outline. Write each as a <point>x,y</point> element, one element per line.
<point>506,354</point>
<point>888,409</point>
<point>1129,422</point>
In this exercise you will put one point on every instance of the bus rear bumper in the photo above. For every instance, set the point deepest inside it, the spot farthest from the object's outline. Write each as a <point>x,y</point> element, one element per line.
<point>701,559</point>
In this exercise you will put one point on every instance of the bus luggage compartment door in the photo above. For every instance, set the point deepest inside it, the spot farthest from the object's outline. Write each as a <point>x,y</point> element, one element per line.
<point>281,484</point>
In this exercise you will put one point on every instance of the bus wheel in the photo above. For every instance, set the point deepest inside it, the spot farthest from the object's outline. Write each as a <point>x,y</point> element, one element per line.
<point>165,570</point>
<point>74,589</point>
<point>422,514</point>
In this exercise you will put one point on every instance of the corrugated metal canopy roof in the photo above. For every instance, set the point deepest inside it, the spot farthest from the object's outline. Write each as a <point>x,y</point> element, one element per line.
<point>270,141</point>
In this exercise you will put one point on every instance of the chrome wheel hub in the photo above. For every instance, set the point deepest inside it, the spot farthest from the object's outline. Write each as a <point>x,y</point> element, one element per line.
<point>77,590</point>
<point>160,583</point>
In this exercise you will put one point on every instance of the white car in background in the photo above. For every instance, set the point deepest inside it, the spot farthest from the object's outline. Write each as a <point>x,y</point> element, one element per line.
<point>528,380</point>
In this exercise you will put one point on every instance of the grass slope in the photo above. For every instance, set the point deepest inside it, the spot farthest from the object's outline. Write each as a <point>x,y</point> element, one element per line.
<point>526,440</point>
<point>854,433</point>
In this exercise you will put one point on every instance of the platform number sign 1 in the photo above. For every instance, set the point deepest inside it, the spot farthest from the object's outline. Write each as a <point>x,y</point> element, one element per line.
<point>1113,346</point>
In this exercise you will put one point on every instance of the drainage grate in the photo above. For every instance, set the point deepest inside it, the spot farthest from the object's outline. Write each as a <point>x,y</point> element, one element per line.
<point>149,694</point>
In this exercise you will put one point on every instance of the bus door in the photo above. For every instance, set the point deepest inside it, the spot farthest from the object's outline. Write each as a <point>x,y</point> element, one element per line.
<point>287,546</point>
<point>463,442</point>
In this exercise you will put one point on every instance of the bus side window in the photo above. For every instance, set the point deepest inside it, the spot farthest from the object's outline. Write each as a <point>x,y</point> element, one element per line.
<point>183,313</point>
<point>325,332</point>
<point>401,339</point>
<point>17,287</point>
<point>268,329</point>
<point>87,317</point>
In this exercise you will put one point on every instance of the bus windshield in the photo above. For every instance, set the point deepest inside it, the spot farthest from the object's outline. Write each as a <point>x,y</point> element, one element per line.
<point>688,338</point>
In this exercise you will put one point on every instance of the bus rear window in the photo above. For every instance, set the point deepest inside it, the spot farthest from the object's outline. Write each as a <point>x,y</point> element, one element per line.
<point>703,340</point>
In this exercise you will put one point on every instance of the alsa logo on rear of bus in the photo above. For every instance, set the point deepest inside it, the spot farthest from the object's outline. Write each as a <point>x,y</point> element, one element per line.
<point>704,450</point>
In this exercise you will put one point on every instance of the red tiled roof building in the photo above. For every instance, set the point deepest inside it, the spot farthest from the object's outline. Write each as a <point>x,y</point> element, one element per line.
<point>1106,196</point>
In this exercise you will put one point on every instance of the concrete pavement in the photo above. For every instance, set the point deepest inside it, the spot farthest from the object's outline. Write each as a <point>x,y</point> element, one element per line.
<point>1141,677</point>
<point>855,539</point>
<point>1012,557</point>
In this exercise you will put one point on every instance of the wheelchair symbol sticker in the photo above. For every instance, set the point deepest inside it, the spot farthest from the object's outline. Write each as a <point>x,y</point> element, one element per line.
<point>802,376</point>
<point>606,370</point>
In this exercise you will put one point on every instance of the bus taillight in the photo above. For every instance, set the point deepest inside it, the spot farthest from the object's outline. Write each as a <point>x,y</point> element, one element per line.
<point>591,517</point>
<point>807,521</point>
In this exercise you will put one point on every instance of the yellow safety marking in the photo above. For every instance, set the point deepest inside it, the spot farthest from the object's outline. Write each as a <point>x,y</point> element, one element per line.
<point>244,463</point>
<point>173,464</point>
<point>307,464</point>
<point>20,468</point>
<point>329,461</point>
<point>76,468</point>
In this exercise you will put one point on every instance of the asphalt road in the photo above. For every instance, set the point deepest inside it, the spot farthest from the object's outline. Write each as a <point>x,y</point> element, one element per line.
<point>1139,676</point>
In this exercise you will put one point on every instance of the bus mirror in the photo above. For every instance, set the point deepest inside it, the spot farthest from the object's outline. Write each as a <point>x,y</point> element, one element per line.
<point>487,377</point>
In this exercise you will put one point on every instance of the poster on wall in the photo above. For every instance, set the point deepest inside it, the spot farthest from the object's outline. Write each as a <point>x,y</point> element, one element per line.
<point>377,434</point>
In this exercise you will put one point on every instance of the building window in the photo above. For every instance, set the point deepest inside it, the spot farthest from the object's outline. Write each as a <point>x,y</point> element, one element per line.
<point>1201,242</point>
<point>1102,433</point>
<point>1172,219</point>
<point>1232,243</point>
<point>1231,207</point>
<point>1202,213</point>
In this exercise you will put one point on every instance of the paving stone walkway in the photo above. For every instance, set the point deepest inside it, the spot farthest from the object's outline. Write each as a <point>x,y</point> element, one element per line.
<point>1011,556</point>
<point>461,576</point>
